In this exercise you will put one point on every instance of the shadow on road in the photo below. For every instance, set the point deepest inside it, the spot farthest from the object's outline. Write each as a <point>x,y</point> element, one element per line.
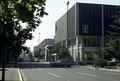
<point>34,66</point>
<point>5,69</point>
<point>37,65</point>
<point>31,65</point>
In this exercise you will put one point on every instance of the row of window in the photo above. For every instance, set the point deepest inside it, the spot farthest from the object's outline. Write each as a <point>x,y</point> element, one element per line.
<point>91,41</point>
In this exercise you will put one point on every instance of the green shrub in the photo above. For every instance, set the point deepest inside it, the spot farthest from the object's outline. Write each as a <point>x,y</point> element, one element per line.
<point>118,64</point>
<point>113,63</point>
<point>110,67</point>
<point>103,62</point>
<point>100,62</point>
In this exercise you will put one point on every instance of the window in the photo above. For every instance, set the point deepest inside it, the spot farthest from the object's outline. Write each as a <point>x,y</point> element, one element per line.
<point>91,41</point>
<point>56,28</point>
<point>85,28</point>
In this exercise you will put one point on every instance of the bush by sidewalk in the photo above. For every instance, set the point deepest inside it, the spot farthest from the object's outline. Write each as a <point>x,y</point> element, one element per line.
<point>118,64</point>
<point>99,62</point>
<point>110,67</point>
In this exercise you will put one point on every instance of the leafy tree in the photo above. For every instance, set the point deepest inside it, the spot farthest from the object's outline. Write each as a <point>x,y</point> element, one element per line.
<point>29,53</point>
<point>30,56</point>
<point>113,49</point>
<point>15,12</point>
<point>62,52</point>
<point>37,54</point>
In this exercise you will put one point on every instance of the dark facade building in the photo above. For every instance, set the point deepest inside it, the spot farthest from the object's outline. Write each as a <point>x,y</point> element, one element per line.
<point>84,28</point>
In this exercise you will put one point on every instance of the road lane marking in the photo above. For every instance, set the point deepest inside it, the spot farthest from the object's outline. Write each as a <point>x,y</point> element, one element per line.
<point>86,74</point>
<point>20,75</point>
<point>54,75</point>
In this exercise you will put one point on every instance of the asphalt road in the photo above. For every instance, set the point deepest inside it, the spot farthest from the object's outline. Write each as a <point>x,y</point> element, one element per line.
<point>75,73</point>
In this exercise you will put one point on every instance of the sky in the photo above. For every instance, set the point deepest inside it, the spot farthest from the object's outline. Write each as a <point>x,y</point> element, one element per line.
<point>55,9</point>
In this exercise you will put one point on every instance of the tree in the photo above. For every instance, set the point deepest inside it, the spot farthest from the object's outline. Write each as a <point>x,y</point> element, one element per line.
<point>62,52</point>
<point>12,14</point>
<point>15,12</point>
<point>37,54</point>
<point>113,50</point>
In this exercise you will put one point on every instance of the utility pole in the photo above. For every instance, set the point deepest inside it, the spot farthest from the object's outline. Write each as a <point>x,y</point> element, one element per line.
<point>4,53</point>
<point>4,42</point>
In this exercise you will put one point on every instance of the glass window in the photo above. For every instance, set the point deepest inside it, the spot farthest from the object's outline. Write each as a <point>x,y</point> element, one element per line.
<point>91,41</point>
<point>85,28</point>
<point>56,28</point>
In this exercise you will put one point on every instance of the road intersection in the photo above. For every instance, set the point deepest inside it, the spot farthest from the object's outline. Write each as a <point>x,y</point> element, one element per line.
<point>44,72</point>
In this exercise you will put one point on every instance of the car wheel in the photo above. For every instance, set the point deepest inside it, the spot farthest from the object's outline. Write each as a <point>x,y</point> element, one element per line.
<point>68,65</point>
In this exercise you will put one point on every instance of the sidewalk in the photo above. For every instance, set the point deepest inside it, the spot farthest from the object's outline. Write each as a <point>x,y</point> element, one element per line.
<point>11,74</point>
<point>104,69</point>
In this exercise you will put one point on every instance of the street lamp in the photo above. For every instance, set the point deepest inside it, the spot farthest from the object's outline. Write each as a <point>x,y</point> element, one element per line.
<point>67,27</point>
<point>68,3</point>
<point>39,38</point>
<point>67,21</point>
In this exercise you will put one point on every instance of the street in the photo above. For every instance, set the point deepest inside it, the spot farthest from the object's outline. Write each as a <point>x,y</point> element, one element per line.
<point>75,73</point>
<point>44,72</point>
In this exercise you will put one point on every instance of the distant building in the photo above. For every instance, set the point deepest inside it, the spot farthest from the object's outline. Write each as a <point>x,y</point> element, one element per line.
<point>87,26</point>
<point>46,49</point>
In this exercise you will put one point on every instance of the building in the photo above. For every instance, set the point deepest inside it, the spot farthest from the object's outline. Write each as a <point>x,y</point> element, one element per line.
<point>83,29</point>
<point>46,49</point>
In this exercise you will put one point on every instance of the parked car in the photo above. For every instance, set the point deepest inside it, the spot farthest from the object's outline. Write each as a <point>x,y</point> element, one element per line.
<point>62,63</point>
<point>112,62</point>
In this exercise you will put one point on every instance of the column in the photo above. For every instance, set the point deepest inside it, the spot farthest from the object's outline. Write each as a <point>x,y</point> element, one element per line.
<point>81,49</point>
<point>45,55</point>
<point>77,49</point>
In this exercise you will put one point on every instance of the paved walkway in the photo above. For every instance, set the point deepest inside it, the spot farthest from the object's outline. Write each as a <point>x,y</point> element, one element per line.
<point>11,74</point>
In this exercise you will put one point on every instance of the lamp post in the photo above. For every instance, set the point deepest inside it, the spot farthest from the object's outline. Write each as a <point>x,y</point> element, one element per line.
<point>39,38</point>
<point>39,46</point>
<point>67,27</point>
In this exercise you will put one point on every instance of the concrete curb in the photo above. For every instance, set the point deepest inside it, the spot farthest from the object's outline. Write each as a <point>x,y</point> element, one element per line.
<point>20,75</point>
<point>44,62</point>
<point>114,70</point>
